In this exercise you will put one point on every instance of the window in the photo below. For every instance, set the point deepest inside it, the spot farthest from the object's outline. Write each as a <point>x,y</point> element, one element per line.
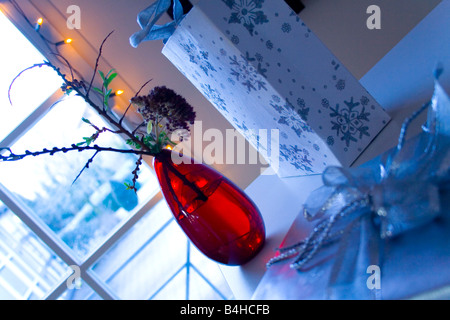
<point>28,268</point>
<point>88,239</point>
<point>20,55</point>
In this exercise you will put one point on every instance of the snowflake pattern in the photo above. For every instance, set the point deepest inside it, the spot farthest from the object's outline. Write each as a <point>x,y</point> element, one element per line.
<point>299,158</point>
<point>330,140</point>
<point>325,103</point>
<point>350,121</point>
<point>235,39</point>
<point>240,124</point>
<point>198,57</point>
<point>247,13</point>
<point>364,100</point>
<point>340,84</point>
<point>290,117</point>
<point>250,134</point>
<point>286,27</point>
<point>246,76</point>
<point>302,110</point>
<point>244,72</point>
<point>214,97</point>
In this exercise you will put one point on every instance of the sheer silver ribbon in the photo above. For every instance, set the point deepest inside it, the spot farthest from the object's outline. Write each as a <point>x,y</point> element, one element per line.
<point>360,208</point>
<point>148,17</point>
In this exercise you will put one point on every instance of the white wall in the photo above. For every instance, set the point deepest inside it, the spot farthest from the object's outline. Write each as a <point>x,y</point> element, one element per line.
<point>341,25</point>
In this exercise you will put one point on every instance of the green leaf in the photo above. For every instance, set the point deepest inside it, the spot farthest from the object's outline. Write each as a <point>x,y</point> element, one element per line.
<point>98,90</point>
<point>149,141</point>
<point>88,140</point>
<point>171,142</point>
<point>128,185</point>
<point>149,127</point>
<point>107,82</point>
<point>86,120</point>
<point>156,148</point>
<point>102,75</point>
<point>133,143</point>
<point>109,72</point>
<point>162,137</point>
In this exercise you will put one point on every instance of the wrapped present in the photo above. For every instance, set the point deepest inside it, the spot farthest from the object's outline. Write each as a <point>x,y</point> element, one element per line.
<point>382,229</point>
<point>268,74</point>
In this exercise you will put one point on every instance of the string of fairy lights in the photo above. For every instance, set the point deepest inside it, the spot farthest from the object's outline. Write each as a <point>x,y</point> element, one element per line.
<point>52,46</point>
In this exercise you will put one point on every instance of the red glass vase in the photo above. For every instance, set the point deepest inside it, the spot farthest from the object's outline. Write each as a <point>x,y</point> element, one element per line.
<point>216,215</point>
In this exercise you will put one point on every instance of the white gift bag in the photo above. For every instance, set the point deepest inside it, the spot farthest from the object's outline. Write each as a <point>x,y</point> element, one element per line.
<point>268,74</point>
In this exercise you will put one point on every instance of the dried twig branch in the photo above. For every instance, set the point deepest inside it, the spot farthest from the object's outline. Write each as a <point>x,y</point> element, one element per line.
<point>80,88</point>
<point>67,63</point>
<point>14,157</point>
<point>86,166</point>
<point>129,105</point>
<point>142,144</point>
<point>96,63</point>
<point>100,110</point>
<point>137,127</point>
<point>37,65</point>
<point>135,174</point>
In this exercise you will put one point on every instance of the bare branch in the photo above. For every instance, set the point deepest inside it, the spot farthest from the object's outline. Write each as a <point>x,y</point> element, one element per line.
<point>66,62</point>
<point>137,128</point>
<point>129,105</point>
<point>86,166</point>
<point>100,110</point>
<point>140,147</point>
<point>135,174</point>
<point>97,62</point>
<point>45,63</point>
<point>14,157</point>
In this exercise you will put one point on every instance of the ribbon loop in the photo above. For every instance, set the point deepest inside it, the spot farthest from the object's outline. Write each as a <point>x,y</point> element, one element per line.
<point>148,17</point>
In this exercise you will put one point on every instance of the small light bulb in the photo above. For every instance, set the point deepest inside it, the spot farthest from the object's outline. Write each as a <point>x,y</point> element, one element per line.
<point>38,24</point>
<point>116,93</point>
<point>66,41</point>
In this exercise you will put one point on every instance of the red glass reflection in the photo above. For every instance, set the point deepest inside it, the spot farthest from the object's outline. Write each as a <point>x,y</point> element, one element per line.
<point>215,214</point>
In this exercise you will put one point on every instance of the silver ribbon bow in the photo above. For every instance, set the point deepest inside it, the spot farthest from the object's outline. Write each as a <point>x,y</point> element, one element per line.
<point>148,17</point>
<point>358,208</point>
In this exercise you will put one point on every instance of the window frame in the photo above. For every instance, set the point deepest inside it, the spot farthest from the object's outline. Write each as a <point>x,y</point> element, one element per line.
<point>41,230</point>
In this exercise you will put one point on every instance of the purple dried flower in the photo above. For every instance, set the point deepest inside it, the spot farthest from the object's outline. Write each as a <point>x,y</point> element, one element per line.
<point>165,108</point>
